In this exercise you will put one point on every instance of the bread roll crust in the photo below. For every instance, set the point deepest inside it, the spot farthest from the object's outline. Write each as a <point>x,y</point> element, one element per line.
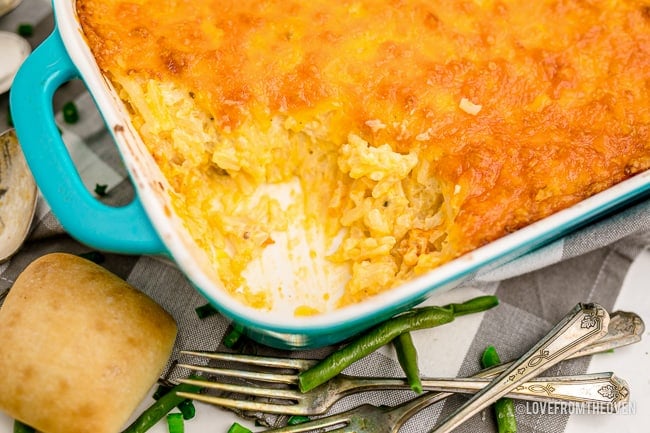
<point>80,346</point>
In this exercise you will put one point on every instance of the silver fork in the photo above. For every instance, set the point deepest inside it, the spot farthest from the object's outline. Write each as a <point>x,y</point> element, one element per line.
<point>367,418</point>
<point>577,388</point>
<point>625,328</point>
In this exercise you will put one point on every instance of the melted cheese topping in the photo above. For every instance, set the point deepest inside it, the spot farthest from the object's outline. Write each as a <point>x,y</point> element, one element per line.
<point>416,131</point>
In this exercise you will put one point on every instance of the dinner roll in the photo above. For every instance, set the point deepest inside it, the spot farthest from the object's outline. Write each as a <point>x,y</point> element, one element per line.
<point>79,347</point>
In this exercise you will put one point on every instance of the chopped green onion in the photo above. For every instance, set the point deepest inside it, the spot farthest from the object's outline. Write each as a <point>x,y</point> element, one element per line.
<point>19,427</point>
<point>93,256</point>
<point>297,419</point>
<point>160,391</point>
<point>233,336</point>
<point>187,409</point>
<point>204,311</point>
<point>175,423</point>
<point>70,113</point>
<point>238,428</point>
<point>25,30</point>
<point>100,190</point>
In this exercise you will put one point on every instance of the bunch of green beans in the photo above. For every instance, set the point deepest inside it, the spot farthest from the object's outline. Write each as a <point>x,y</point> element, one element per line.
<point>368,342</point>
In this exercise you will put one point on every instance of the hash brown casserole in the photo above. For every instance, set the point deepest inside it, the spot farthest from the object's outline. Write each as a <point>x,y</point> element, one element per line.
<point>396,135</point>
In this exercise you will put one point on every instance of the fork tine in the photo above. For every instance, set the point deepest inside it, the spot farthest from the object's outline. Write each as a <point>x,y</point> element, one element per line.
<point>264,361</point>
<point>342,421</point>
<point>246,405</point>
<point>279,393</point>
<point>244,374</point>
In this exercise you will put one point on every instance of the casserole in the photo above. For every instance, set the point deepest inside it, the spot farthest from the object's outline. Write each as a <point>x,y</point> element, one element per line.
<point>169,235</point>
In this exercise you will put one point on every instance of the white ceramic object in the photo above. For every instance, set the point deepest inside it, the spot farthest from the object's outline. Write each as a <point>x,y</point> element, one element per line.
<point>14,49</point>
<point>18,194</point>
<point>7,6</point>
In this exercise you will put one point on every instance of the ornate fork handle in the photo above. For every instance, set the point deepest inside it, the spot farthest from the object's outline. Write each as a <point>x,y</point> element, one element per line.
<point>585,324</point>
<point>604,390</point>
<point>596,388</point>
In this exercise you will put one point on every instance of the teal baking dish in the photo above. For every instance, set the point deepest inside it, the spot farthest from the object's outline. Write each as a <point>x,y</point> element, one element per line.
<point>147,225</point>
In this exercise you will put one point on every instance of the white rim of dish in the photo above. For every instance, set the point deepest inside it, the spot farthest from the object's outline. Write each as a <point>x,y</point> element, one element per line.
<point>22,49</point>
<point>8,7</point>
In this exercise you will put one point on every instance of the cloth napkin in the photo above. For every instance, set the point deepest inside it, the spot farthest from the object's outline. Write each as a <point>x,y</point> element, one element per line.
<point>535,291</point>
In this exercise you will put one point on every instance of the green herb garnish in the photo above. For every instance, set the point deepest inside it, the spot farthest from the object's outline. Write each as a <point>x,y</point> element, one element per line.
<point>19,427</point>
<point>233,336</point>
<point>101,190</point>
<point>70,113</point>
<point>175,423</point>
<point>25,30</point>
<point>93,256</point>
<point>187,409</point>
<point>238,428</point>
<point>297,419</point>
<point>204,311</point>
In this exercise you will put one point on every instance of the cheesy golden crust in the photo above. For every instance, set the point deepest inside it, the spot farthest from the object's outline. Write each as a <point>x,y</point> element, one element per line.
<point>419,130</point>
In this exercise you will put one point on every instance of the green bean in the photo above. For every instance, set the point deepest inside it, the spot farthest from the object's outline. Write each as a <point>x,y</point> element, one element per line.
<point>368,342</point>
<point>474,305</point>
<point>161,390</point>
<point>238,428</point>
<point>371,340</point>
<point>297,419</point>
<point>407,356</point>
<point>175,423</point>
<point>187,408</point>
<point>504,408</point>
<point>160,408</point>
<point>19,427</point>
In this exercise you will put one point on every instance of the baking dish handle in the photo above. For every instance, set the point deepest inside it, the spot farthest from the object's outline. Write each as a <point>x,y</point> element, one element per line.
<point>124,229</point>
